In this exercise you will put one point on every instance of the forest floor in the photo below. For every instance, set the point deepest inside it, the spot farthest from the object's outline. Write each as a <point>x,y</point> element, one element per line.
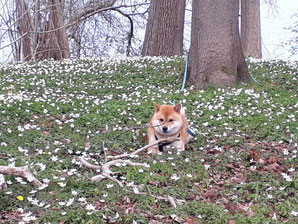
<point>240,168</point>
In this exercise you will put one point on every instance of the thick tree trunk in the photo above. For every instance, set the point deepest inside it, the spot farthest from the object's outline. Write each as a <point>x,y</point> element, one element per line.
<point>58,21</point>
<point>164,31</point>
<point>242,68</point>
<point>216,57</point>
<point>251,28</point>
<point>25,27</point>
<point>42,39</point>
<point>54,42</point>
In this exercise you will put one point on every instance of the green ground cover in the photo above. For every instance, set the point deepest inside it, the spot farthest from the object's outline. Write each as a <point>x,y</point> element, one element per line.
<point>240,168</point>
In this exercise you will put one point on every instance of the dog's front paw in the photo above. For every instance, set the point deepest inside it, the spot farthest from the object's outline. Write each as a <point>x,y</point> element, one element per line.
<point>153,150</point>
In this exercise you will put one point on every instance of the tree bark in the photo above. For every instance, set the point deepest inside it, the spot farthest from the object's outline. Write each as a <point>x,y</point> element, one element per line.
<point>54,44</point>
<point>36,45</point>
<point>216,57</point>
<point>58,21</point>
<point>164,31</point>
<point>251,28</point>
<point>25,27</point>
<point>40,30</point>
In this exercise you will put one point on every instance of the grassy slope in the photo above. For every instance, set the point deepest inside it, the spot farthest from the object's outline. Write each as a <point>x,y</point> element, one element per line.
<point>241,165</point>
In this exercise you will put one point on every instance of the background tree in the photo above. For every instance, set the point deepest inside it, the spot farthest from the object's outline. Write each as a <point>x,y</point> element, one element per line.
<point>36,30</point>
<point>251,28</point>
<point>216,57</point>
<point>33,44</point>
<point>292,43</point>
<point>164,31</point>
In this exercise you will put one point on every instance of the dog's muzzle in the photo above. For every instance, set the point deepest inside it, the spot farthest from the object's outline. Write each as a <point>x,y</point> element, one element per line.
<point>165,129</point>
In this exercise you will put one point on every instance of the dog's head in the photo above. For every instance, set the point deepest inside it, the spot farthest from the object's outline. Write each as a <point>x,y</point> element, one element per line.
<point>167,119</point>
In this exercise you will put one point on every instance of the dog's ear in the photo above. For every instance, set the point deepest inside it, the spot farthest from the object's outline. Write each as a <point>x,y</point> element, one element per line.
<point>177,108</point>
<point>157,107</point>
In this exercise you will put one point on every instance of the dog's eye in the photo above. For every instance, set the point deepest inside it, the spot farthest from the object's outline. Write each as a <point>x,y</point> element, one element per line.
<point>161,120</point>
<point>171,120</point>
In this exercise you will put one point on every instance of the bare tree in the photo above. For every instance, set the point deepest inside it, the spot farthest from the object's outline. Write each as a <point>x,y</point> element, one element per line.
<point>251,28</point>
<point>216,57</point>
<point>24,24</point>
<point>58,29</point>
<point>164,31</point>
<point>292,42</point>
<point>40,37</point>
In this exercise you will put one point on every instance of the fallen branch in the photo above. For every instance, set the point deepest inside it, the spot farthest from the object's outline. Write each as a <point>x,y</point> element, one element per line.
<point>172,201</point>
<point>3,185</point>
<point>88,165</point>
<point>21,172</point>
<point>125,155</point>
<point>105,171</point>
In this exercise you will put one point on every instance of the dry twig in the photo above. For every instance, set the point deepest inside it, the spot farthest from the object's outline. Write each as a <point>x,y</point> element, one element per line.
<point>125,155</point>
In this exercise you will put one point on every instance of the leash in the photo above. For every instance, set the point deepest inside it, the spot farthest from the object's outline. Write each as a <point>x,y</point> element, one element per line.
<point>256,81</point>
<point>183,85</point>
<point>185,74</point>
<point>184,78</point>
<point>181,90</point>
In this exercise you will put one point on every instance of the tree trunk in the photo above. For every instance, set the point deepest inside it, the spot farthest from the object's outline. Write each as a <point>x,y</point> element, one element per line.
<point>54,41</point>
<point>251,28</point>
<point>216,57</point>
<point>58,21</point>
<point>164,31</point>
<point>42,39</point>
<point>25,27</point>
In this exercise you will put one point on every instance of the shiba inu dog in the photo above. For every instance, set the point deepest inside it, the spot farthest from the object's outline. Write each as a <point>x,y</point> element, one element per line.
<point>168,121</point>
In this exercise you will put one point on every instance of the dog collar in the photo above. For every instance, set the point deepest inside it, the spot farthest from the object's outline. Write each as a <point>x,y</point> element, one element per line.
<point>190,132</point>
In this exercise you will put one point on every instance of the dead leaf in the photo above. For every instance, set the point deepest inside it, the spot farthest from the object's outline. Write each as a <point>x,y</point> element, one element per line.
<point>262,161</point>
<point>208,195</point>
<point>253,155</point>
<point>272,159</point>
<point>261,169</point>
<point>177,218</point>
<point>218,161</point>
<point>213,151</point>
<point>145,138</point>
<point>65,140</point>
<point>190,220</point>
<point>239,178</point>
<point>233,165</point>
<point>47,124</point>
<point>125,200</point>
<point>231,221</point>
<point>46,133</point>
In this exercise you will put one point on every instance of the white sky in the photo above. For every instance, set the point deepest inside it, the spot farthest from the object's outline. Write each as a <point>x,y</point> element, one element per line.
<point>273,22</point>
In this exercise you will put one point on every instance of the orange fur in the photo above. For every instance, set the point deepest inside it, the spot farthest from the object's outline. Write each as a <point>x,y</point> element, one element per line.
<point>168,121</point>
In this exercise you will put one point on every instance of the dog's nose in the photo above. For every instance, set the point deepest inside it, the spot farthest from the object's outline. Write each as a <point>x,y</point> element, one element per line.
<point>165,128</point>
